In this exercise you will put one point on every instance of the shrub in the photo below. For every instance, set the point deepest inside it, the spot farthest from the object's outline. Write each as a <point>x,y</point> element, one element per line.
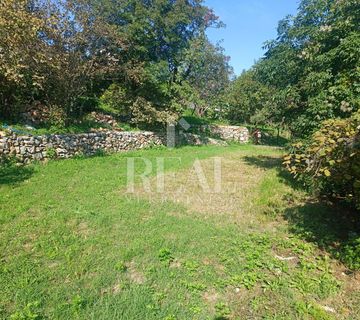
<point>329,161</point>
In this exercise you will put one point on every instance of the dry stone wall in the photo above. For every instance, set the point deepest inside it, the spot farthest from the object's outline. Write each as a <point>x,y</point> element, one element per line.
<point>199,140</point>
<point>29,148</point>
<point>234,133</point>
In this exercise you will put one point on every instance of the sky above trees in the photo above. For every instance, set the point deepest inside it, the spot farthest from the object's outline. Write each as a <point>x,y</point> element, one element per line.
<point>249,23</point>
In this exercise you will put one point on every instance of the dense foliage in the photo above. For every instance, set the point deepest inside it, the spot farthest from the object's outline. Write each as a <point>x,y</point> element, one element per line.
<point>314,63</point>
<point>134,56</point>
<point>309,83</point>
<point>250,101</point>
<point>330,160</point>
<point>312,68</point>
<point>207,71</point>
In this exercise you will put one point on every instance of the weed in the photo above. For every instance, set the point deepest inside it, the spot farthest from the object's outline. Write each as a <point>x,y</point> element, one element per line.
<point>222,310</point>
<point>350,252</point>
<point>51,153</point>
<point>30,312</point>
<point>120,266</point>
<point>77,303</point>
<point>194,286</point>
<point>165,255</point>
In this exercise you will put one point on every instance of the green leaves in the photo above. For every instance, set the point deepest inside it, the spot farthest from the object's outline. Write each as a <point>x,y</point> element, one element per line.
<point>250,101</point>
<point>313,65</point>
<point>330,160</point>
<point>129,53</point>
<point>165,255</point>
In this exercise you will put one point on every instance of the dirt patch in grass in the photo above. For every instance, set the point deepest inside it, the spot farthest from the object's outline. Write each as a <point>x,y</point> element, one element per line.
<point>219,268</point>
<point>83,229</point>
<point>244,299</point>
<point>80,227</point>
<point>114,289</point>
<point>135,275</point>
<point>175,264</point>
<point>53,264</point>
<point>211,297</point>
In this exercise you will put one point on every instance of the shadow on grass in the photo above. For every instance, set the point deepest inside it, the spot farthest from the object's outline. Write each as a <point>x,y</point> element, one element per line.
<point>266,162</point>
<point>11,174</point>
<point>331,228</point>
<point>328,226</point>
<point>274,141</point>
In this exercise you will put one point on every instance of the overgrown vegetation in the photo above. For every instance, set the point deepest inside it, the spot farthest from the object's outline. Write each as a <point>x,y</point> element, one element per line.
<point>309,83</point>
<point>76,245</point>
<point>144,60</point>
<point>309,74</point>
<point>330,161</point>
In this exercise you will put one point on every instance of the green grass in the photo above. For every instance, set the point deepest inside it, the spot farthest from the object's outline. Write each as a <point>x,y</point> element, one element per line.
<point>75,245</point>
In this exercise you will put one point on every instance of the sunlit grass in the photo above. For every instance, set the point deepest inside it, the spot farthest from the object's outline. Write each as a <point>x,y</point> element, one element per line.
<point>74,244</point>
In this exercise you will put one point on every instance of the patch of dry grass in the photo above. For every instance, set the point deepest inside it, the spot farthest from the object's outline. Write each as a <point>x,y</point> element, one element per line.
<point>196,188</point>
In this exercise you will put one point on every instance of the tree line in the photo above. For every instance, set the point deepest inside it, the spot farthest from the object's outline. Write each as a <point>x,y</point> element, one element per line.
<point>150,60</point>
<point>309,83</point>
<point>145,59</point>
<point>310,72</point>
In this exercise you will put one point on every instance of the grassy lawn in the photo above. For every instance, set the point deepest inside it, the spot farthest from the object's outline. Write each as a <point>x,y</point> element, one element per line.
<point>76,245</point>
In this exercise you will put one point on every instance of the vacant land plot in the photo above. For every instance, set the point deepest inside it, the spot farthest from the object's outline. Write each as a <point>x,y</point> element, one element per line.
<point>75,243</point>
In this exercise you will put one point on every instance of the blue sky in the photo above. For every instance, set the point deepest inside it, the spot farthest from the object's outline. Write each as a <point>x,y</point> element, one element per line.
<point>249,23</point>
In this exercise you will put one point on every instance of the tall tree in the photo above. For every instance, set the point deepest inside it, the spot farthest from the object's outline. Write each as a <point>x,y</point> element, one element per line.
<point>250,101</point>
<point>62,52</point>
<point>314,63</point>
<point>21,54</point>
<point>207,72</point>
<point>160,33</point>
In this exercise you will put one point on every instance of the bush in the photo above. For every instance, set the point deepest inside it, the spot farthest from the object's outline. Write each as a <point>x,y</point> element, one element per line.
<point>329,162</point>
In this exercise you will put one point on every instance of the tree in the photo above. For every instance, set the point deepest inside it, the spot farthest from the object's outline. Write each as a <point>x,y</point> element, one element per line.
<point>65,53</point>
<point>160,33</point>
<point>51,51</point>
<point>21,55</point>
<point>314,62</point>
<point>250,101</point>
<point>207,72</point>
